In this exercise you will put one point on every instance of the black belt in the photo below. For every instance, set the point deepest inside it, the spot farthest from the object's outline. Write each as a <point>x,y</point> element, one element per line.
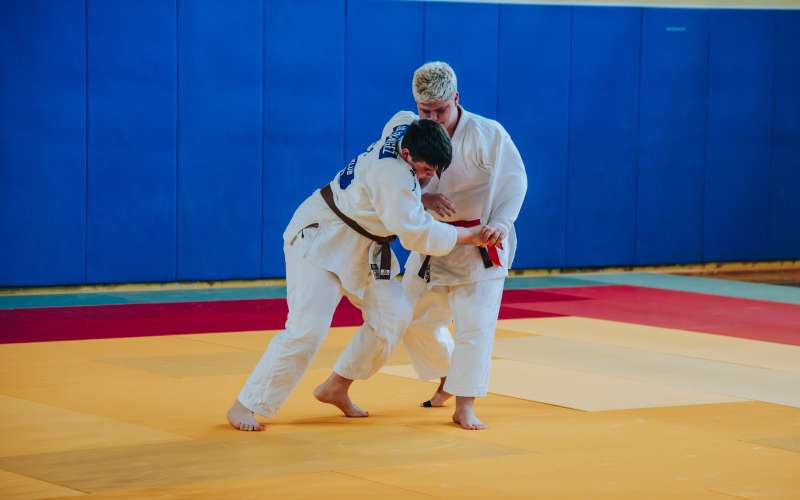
<point>425,269</point>
<point>385,271</point>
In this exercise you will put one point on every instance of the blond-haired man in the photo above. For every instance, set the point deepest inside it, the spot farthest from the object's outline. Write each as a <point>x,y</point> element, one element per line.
<point>485,185</point>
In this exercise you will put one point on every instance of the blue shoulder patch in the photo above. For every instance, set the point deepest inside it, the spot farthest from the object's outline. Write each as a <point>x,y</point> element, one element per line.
<point>390,145</point>
<point>347,174</point>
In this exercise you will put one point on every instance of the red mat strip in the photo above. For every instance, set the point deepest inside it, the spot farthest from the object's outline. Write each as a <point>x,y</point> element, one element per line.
<point>144,320</point>
<point>734,317</point>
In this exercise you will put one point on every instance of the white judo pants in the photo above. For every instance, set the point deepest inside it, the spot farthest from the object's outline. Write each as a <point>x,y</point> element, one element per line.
<point>465,356</point>
<point>313,294</point>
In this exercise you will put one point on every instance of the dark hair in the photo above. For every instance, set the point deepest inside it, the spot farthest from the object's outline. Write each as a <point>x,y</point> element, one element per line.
<point>427,141</point>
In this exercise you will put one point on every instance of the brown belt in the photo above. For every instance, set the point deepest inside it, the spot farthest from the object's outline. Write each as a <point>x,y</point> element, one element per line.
<point>385,270</point>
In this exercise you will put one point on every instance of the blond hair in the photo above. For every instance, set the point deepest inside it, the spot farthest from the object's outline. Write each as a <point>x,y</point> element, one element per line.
<point>434,82</point>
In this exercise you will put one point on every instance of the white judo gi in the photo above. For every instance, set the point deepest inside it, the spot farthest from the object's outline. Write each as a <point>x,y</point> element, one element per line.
<point>486,180</point>
<point>326,259</point>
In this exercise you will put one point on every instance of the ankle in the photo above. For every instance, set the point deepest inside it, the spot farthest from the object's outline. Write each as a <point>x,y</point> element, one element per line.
<point>464,404</point>
<point>337,383</point>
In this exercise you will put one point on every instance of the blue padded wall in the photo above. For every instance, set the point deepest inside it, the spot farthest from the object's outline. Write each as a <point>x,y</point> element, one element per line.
<point>132,148</point>
<point>672,127</point>
<point>304,111</point>
<point>220,67</point>
<point>473,55</point>
<point>739,121</point>
<point>384,47</point>
<point>534,73</point>
<point>167,140</point>
<point>784,193</point>
<point>601,183</point>
<point>42,142</point>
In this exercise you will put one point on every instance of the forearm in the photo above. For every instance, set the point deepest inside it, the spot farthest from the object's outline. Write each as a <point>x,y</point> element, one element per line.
<point>468,235</point>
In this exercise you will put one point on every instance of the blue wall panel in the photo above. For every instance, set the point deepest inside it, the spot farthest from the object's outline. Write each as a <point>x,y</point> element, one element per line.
<point>172,139</point>
<point>384,47</point>
<point>42,142</point>
<point>784,220</point>
<point>672,126</point>
<point>739,121</point>
<point>132,92</point>
<point>601,192</point>
<point>534,108</point>
<point>304,106</point>
<point>220,63</point>
<point>472,54</point>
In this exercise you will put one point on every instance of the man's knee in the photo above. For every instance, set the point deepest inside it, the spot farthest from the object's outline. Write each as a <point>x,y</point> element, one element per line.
<point>475,337</point>
<point>304,335</point>
<point>395,320</point>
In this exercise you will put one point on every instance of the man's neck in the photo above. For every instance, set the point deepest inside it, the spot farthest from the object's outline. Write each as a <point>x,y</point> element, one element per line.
<point>455,125</point>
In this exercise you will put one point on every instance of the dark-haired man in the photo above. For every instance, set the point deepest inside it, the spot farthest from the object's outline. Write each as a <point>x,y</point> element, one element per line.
<point>337,243</point>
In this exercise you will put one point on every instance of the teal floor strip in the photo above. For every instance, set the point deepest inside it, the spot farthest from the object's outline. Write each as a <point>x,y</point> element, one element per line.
<point>738,289</point>
<point>547,282</point>
<point>245,293</point>
<point>149,297</point>
<point>713,286</point>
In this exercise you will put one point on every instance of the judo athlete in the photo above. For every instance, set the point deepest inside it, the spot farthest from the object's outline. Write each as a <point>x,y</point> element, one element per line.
<point>485,184</point>
<point>338,243</point>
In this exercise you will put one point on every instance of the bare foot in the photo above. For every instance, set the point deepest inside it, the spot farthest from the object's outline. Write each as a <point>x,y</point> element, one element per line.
<point>243,419</point>
<point>334,391</point>
<point>469,422</point>
<point>439,397</point>
<point>465,415</point>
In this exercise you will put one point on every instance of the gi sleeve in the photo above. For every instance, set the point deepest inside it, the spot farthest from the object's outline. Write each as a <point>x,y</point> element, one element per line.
<point>502,160</point>
<point>395,197</point>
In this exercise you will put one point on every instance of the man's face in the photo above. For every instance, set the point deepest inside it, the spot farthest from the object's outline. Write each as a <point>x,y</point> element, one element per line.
<point>445,113</point>
<point>423,170</point>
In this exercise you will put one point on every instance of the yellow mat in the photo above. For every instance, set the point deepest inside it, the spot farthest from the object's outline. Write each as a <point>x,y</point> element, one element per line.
<point>663,340</point>
<point>22,487</point>
<point>676,372</point>
<point>578,390</point>
<point>144,418</point>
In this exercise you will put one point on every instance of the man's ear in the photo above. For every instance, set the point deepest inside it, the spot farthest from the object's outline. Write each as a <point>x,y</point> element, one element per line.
<point>405,153</point>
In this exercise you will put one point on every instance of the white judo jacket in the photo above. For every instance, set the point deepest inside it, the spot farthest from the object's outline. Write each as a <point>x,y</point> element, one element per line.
<point>380,192</point>
<point>485,181</point>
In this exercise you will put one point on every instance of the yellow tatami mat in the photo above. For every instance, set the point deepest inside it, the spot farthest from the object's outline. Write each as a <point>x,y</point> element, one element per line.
<point>34,428</point>
<point>663,340</point>
<point>679,373</point>
<point>144,418</point>
<point>17,486</point>
<point>575,389</point>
